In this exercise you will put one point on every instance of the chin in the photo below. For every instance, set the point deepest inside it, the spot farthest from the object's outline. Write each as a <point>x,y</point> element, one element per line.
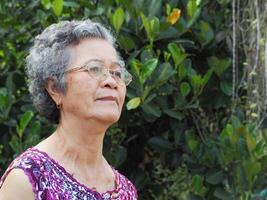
<point>109,117</point>
<point>108,121</point>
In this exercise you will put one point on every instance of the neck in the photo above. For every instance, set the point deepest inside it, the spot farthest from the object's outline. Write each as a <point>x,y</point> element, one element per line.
<point>81,142</point>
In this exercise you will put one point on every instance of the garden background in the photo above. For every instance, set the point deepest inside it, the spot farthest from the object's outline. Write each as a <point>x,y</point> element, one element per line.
<point>194,122</point>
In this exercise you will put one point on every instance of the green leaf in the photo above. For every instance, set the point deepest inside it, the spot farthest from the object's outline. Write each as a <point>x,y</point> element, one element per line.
<point>154,25</point>
<point>168,9</point>
<point>215,177</point>
<point>33,135</point>
<point>165,72</point>
<point>191,8</point>
<point>180,101</point>
<point>207,76</point>
<point>226,87</point>
<point>175,114</point>
<point>252,168</point>
<point>35,129</point>
<point>251,142</point>
<point>219,65</point>
<point>205,33</point>
<point>146,25</point>
<point>153,7</point>
<point>177,55</point>
<point>150,98</point>
<point>118,156</point>
<point>182,72</point>
<point>260,148</point>
<point>185,89</point>
<point>10,85</point>
<point>2,53</point>
<point>222,194</point>
<point>228,132</point>
<point>117,19</point>
<point>58,7</point>
<point>235,122</point>
<point>197,184</point>
<point>167,32</point>
<point>152,110</point>
<point>151,27</point>
<point>194,18</point>
<point>197,83</point>
<point>24,121</point>
<point>15,144</point>
<point>147,69</point>
<point>160,144</point>
<point>225,132</point>
<point>136,66</point>
<point>192,144</point>
<point>126,42</point>
<point>71,4</point>
<point>46,4</point>
<point>3,99</point>
<point>133,103</point>
<point>146,54</point>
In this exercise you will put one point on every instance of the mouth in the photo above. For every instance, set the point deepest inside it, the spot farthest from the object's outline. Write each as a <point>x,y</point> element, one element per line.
<point>108,98</point>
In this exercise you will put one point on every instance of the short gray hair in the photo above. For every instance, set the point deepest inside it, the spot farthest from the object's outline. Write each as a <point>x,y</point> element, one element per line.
<point>49,57</point>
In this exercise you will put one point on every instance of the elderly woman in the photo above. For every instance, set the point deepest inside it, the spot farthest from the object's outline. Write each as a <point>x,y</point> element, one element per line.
<point>77,79</point>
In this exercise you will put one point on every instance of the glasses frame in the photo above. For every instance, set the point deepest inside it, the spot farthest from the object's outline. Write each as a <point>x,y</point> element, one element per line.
<point>111,73</point>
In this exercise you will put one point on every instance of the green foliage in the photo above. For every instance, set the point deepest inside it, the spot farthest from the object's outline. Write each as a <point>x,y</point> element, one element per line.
<point>57,6</point>
<point>176,183</point>
<point>117,19</point>
<point>113,150</point>
<point>175,138</point>
<point>229,166</point>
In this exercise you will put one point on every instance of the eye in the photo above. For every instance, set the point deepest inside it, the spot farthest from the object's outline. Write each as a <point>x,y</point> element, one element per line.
<point>95,69</point>
<point>116,70</point>
<point>117,73</point>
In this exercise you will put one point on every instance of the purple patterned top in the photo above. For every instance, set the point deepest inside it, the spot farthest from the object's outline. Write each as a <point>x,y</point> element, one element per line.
<point>50,181</point>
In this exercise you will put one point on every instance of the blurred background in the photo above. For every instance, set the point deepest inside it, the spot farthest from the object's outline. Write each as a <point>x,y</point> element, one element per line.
<point>193,125</point>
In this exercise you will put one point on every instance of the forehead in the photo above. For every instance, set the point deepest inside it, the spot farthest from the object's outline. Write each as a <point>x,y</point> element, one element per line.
<point>91,48</point>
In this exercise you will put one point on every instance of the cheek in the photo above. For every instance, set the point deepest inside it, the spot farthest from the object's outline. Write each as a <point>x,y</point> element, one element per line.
<point>80,92</point>
<point>74,107</point>
<point>122,95</point>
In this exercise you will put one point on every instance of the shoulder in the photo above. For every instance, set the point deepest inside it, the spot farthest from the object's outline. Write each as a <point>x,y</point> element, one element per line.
<point>16,179</point>
<point>23,174</point>
<point>127,186</point>
<point>29,161</point>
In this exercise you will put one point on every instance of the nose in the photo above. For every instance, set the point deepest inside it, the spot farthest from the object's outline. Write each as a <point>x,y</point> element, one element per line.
<point>109,81</point>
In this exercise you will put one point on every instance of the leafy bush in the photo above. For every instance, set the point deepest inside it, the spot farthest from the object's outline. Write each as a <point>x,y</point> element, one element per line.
<point>179,136</point>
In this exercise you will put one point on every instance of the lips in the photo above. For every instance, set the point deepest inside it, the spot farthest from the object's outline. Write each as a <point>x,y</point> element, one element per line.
<point>108,98</point>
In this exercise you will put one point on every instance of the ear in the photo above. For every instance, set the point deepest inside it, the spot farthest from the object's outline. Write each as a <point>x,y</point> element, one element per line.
<point>53,91</point>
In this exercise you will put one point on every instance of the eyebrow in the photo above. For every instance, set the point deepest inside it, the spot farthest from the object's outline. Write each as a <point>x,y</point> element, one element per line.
<point>119,62</point>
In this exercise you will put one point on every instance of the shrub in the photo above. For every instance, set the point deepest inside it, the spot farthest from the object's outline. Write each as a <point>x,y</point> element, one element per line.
<point>179,136</point>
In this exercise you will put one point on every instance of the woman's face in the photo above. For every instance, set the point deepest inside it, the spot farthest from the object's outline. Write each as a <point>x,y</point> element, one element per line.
<point>87,97</point>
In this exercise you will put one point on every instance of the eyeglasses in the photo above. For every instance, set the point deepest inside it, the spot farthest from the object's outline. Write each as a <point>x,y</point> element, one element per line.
<point>98,70</point>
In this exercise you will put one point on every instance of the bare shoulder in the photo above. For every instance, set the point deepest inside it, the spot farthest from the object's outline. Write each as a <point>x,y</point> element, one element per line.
<point>16,185</point>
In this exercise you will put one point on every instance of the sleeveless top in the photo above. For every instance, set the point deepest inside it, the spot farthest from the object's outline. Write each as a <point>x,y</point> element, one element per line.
<point>50,181</point>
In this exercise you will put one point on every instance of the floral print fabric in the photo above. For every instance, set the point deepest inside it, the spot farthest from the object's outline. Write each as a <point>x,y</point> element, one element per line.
<point>50,181</point>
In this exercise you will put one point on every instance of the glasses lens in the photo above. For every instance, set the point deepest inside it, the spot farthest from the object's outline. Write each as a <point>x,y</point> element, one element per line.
<point>120,74</point>
<point>127,78</point>
<point>96,70</point>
